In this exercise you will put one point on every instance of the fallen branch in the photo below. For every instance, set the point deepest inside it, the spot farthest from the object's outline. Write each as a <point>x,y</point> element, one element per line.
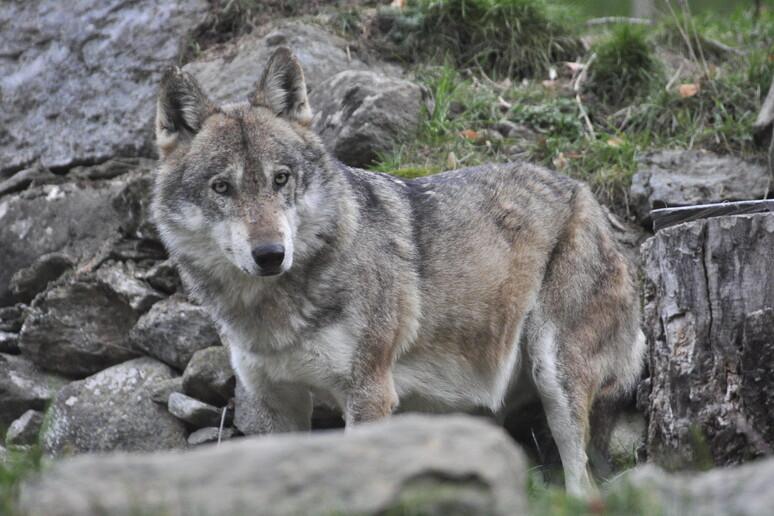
<point>608,20</point>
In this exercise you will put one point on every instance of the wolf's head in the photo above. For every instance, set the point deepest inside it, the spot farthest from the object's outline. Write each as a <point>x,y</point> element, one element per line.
<point>234,179</point>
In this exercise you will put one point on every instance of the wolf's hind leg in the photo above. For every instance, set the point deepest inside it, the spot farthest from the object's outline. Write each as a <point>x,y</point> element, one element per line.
<point>566,406</point>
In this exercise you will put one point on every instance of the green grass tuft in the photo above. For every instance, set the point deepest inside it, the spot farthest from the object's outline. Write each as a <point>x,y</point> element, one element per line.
<point>503,38</point>
<point>19,463</point>
<point>625,67</point>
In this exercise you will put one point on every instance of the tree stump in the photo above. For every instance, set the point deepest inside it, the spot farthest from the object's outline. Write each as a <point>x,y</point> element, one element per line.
<point>709,318</point>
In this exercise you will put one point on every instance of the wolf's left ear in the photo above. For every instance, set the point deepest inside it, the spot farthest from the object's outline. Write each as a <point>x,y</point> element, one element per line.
<point>283,89</point>
<point>181,109</point>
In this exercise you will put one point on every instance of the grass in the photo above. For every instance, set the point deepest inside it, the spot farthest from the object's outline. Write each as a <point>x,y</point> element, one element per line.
<point>630,108</point>
<point>620,500</point>
<point>625,67</point>
<point>501,38</point>
<point>20,463</point>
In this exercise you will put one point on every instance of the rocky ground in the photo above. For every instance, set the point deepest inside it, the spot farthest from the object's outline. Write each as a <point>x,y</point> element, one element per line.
<point>101,350</point>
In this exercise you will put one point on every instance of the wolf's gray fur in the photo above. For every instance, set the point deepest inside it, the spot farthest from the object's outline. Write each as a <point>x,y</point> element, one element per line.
<point>471,288</point>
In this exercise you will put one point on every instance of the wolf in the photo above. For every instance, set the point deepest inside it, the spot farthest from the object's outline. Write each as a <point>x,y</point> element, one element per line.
<point>470,289</point>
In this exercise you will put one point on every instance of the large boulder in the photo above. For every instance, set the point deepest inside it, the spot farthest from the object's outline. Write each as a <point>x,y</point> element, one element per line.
<point>404,465</point>
<point>241,63</point>
<point>79,327</point>
<point>85,74</point>
<point>708,315</point>
<point>673,178</point>
<point>741,491</point>
<point>113,410</point>
<point>173,330</point>
<point>362,114</point>
<point>23,386</point>
<point>76,218</point>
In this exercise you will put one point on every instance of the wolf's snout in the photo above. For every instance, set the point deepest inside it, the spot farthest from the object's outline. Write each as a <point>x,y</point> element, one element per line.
<point>269,258</point>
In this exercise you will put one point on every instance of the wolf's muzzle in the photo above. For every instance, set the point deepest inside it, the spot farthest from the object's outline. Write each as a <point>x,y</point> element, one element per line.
<point>269,258</point>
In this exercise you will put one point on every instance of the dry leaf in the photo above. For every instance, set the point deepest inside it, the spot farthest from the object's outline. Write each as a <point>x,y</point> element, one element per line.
<point>574,67</point>
<point>451,161</point>
<point>688,90</point>
<point>560,162</point>
<point>615,141</point>
<point>469,134</point>
<point>551,85</point>
<point>399,4</point>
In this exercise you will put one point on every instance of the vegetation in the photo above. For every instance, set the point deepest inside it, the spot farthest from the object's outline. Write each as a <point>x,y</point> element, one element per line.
<point>19,463</point>
<point>641,93</point>
<point>624,68</point>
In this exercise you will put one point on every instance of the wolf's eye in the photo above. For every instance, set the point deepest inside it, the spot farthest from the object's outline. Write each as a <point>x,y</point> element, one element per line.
<point>220,187</point>
<point>281,178</point>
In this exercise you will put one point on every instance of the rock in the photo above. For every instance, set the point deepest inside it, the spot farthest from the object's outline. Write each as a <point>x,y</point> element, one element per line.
<point>25,430</point>
<point>79,328</point>
<point>9,342</point>
<point>209,435</point>
<point>673,178</point>
<point>164,277</point>
<point>161,391</point>
<point>209,377</point>
<point>321,54</point>
<point>121,276</point>
<point>23,386</point>
<point>27,282</point>
<point>87,73</point>
<point>708,316</point>
<point>194,412</point>
<point>626,438</point>
<point>406,464</point>
<point>3,455</point>
<point>173,330</point>
<point>362,114</point>
<point>112,410</point>
<point>741,491</point>
<point>52,218</point>
<point>12,318</point>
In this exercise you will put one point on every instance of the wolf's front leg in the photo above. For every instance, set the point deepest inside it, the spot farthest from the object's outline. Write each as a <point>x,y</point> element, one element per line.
<point>278,407</point>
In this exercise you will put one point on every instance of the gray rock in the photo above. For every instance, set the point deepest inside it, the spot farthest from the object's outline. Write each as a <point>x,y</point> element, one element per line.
<point>163,276</point>
<point>113,410</point>
<point>209,435</point>
<point>77,219</point>
<point>84,73</point>
<point>24,386</point>
<point>25,430</point>
<point>161,391</point>
<point>27,282</point>
<point>194,412</point>
<point>741,491</point>
<point>416,464</point>
<point>12,318</point>
<point>122,278</point>
<point>708,316</point>
<point>209,377</point>
<point>9,342</point>
<point>79,327</point>
<point>673,178</point>
<point>173,330</point>
<point>361,114</point>
<point>626,438</point>
<point>320,53</point>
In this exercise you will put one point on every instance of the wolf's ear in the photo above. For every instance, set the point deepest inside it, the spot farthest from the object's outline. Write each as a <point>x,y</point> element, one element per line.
<point>283,89</point>
<point>181,109</point>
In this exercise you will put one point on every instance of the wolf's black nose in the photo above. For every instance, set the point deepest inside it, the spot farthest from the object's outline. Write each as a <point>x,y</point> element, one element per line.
<point>269,257</point>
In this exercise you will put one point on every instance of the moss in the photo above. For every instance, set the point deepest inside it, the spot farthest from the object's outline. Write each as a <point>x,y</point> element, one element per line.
<point>625,67</point>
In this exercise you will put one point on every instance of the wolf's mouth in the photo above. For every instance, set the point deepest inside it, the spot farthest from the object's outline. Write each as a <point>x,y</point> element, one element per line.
<point>270,272</point>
